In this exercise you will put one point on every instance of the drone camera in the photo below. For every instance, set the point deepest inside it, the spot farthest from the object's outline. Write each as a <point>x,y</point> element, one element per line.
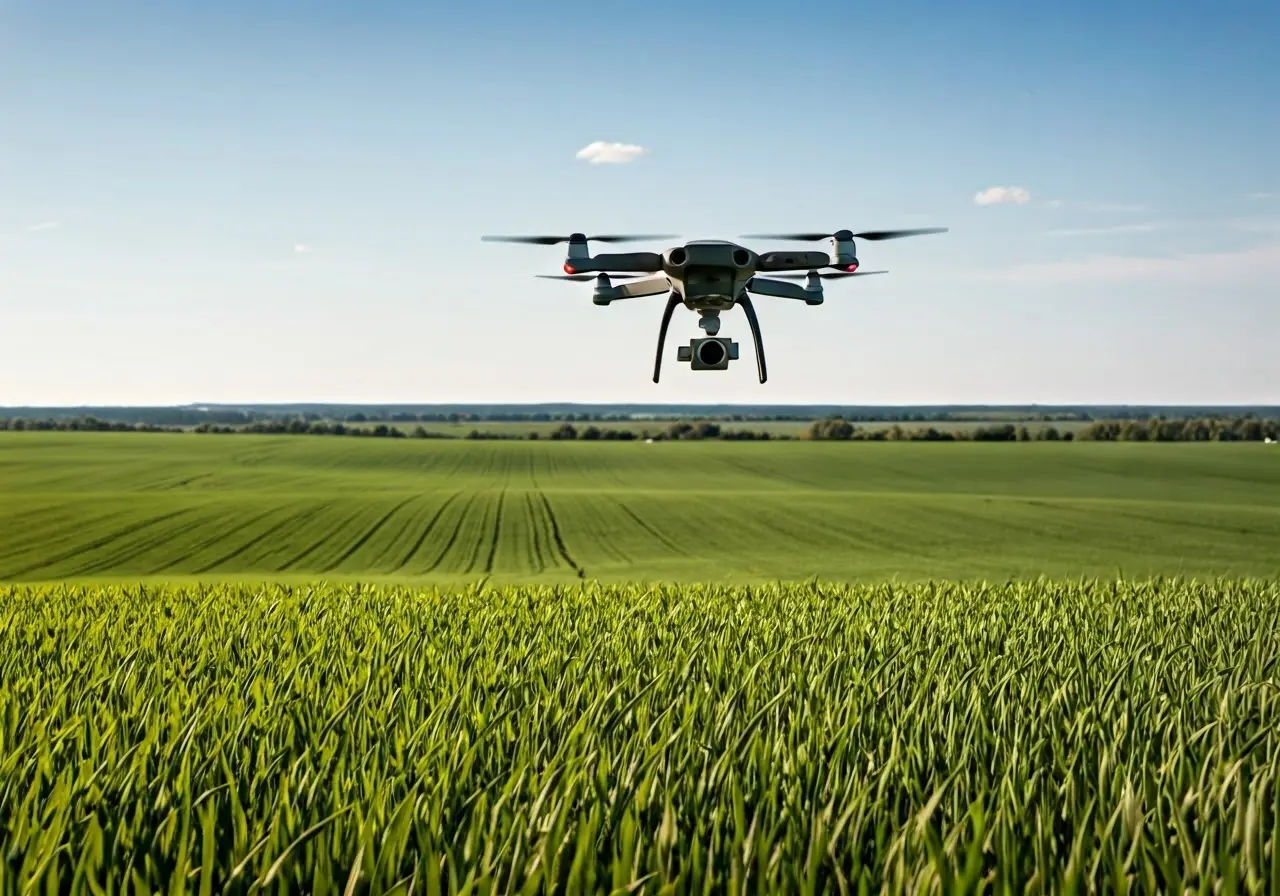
<point>709,353</point>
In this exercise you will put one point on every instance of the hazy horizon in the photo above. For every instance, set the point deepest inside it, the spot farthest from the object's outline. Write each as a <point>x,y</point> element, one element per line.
<point>251,203</point>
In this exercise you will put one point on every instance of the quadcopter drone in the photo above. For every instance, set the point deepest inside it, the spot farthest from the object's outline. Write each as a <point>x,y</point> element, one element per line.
<point>711,276</point>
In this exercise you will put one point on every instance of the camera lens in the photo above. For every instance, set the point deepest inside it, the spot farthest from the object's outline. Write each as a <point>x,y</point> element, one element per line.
<point>711,352</point>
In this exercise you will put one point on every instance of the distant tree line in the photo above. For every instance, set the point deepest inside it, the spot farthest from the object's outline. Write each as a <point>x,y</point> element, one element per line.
<point>1156,429</point>
<point>839,430</point>
<point>638,415</point>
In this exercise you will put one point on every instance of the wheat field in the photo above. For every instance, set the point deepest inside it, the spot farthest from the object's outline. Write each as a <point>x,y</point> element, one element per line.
<point>1089,736</point>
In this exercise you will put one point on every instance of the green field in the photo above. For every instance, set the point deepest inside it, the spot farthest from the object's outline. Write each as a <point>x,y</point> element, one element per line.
<point>1032,738</point>
<point>404,728</point>
<point>177,506</point>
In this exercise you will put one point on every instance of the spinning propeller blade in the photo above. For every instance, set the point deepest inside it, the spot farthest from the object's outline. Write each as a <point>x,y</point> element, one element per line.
<point>826,275</point>
<point>865,235</point>
<point>604,238</point>
<point>587,276</point>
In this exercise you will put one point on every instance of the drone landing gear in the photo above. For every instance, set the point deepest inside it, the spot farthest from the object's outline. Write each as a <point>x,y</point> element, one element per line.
<point>711,324</point>
<point>754,322</point>
<point>672,301</point>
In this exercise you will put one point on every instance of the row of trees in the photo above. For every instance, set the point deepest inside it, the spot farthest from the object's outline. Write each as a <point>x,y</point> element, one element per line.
<point>1241,429</point>
<point>840,430</point>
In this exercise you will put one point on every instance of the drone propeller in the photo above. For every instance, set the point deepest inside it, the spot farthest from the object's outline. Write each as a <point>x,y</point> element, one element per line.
<point>845,234</point>
<point>605,238</point>
<point>826,275</point>
<point>587,276</point>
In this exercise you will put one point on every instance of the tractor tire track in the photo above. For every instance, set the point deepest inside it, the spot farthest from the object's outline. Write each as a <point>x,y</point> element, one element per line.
<point>648,527</point>
<point>497,532</point>
<point>197,547</point>
<point>301,516</point>
<point>369,533</point>
<point>100,542</point>
<point>466,508</point>
<point>537,559</point>
<point>558,538</point>
<point>97,562</point>
<point>478,545</point>
<point>320,540</point>
<point>431,524</point>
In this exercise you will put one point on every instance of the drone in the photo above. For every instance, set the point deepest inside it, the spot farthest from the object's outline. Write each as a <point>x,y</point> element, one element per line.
<point>709,277</point>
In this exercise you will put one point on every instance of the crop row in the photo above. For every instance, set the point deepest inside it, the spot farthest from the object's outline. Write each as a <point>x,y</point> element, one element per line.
<point>592,739</point>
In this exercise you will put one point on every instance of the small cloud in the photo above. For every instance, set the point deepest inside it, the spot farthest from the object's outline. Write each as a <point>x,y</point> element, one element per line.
<point>43,225</point>
<point>601,152</point>
<point>1257,197</point>
<point>1002,196</point>
<point>301,248</point>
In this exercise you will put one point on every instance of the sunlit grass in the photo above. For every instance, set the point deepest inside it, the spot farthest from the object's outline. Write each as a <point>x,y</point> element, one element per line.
<point>802,738</point>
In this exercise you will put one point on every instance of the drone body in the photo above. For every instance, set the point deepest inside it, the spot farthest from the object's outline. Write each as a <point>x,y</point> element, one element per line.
<point>711,276</point>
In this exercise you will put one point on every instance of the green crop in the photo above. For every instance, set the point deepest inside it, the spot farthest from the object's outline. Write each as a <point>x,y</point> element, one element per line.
<point>1074,737</point>
<point>100,507</point>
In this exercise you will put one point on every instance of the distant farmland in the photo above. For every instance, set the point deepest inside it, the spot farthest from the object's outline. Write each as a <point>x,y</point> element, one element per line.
<point>131,505</point>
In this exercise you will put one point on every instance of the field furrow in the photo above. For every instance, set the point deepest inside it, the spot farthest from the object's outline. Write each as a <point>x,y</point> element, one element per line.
<point>416,534</point>
<point>101,505</point>
<point>466,526</point>
<point>538,535</point>
<point>557,536</point>
<point>318,541</point>
<point>103,539</point>
<point>664,542</point>
<point>249,547</point>
<point>378,525</point>
<point>496,538</point>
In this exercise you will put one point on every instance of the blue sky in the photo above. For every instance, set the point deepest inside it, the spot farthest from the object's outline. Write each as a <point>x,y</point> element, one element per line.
<point>283,201</point>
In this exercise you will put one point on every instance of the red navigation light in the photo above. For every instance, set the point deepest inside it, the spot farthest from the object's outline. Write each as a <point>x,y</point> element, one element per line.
<point>569,269</point>
<point>851,268</point>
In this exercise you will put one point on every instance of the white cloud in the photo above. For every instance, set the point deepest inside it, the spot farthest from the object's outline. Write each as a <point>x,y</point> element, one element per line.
<point>301,248</point>
<point>1002,196</point>
<point>610,153</point>
<point>1246,267</point>
<point>1260,196</point>
<point>43,225</point>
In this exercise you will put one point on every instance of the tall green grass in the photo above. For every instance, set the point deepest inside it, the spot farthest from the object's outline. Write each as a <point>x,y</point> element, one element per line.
<point>1066,737</point>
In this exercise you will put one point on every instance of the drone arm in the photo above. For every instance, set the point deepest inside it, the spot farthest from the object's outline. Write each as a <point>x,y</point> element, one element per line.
<point>783,290</point>
<point>792,261</point>
<point>629,262</point>
<point>649,286</point>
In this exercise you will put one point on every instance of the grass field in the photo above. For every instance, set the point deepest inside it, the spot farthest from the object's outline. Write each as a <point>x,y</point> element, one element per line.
<point>395,730</point>
<point>790,739</point>
<point>175,506</point>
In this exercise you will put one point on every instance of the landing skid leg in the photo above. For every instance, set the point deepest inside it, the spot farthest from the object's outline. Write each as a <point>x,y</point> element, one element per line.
<point>754,322</point>
<point>672,301</point>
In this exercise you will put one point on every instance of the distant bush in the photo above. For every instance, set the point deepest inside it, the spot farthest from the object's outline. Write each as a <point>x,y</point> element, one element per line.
<point>832,429</point>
